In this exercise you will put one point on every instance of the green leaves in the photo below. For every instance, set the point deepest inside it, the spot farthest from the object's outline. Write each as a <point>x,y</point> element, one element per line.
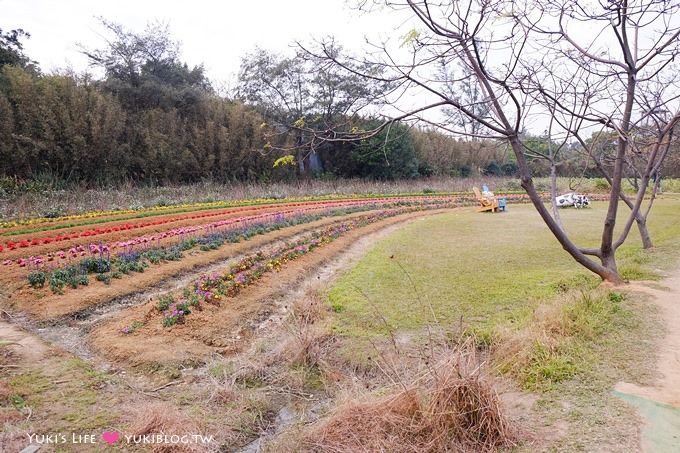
<point>285,160</point>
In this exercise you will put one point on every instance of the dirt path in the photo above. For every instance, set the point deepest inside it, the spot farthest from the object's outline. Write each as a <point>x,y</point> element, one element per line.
<point>667,389</point>
<point>659,405</point>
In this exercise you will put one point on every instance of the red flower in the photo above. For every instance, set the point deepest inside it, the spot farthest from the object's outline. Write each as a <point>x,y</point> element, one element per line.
<point>23,243</point>
<point>35,242</point>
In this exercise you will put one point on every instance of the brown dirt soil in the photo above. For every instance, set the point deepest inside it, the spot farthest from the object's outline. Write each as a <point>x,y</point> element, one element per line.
<point>65,396</point>
<point>667,387</point>
<point>223,329</point>
<point>43,305</point>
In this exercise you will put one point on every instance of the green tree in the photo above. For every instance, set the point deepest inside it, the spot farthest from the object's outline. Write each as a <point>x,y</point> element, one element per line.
<point>143,69</point>
<point>387,155</point>
<point>12,51</point>
<point>302,96</point>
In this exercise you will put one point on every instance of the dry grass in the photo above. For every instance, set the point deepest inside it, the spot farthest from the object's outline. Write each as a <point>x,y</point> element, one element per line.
<point>164,418</point>
<point>554,342</point>
<point>309,337</point>
<point>373,425</point>
<point>450,408</point>
<point>78,199</point>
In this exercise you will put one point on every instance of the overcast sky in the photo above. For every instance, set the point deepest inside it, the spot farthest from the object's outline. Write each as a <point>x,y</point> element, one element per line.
<point>215,33</point>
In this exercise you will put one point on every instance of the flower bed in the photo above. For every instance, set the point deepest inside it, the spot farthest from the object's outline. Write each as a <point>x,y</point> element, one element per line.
<point>14,244</point>
<point>213,288</point>
<point>72,267</point>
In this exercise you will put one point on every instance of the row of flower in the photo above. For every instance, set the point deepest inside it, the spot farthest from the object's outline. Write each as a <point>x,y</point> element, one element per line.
<point>189,207</point>
<point>25,243</point>
<point>161,239</point>
<point>122,227</point>
<point>212,288</point>
<point>154,213</point>
<point>72,267</point>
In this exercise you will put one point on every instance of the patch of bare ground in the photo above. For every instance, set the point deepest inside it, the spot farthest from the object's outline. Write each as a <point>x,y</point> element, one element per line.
<point>666,387</point>
<point>45,391</point>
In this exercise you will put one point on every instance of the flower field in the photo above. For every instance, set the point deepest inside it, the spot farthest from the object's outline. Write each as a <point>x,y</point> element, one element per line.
<point>216,255</point>
<point>61,267</point>
<point>191,278</point>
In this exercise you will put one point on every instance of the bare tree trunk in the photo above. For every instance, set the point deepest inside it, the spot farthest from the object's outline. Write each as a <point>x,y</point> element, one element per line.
<point>607,271</point>
<point>553,194</point>
<point>641,221</point>
<point>644,232</point>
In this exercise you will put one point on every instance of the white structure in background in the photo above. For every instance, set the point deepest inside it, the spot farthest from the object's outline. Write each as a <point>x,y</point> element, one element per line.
<point>572,199</point>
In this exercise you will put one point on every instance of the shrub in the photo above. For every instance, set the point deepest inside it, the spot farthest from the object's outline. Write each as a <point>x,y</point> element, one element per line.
<point>601,184</point>
<point>106,278</point>
<point>70,275</point>
<point>164,302</point>
<point>93,264</point>
<point>37,279</point>
<point>131,261</point>
<point>175,313</point>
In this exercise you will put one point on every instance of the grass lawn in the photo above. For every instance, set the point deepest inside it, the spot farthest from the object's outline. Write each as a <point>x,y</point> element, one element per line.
<point>478,266</point>
<point>504,278</point>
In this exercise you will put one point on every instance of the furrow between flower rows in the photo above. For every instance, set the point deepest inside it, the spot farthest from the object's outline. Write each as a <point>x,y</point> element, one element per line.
<point>214,287</point>
<point>63,268</point>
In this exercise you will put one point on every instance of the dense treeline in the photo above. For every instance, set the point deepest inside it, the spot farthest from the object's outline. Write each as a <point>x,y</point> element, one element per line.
<point>74,129</point>
<point>150,118</point>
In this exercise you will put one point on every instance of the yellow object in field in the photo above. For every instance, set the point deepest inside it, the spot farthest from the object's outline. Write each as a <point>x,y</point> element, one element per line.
<point>488,201</point>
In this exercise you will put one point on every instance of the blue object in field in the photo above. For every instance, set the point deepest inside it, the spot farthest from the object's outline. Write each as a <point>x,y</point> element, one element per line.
<point>501,200</point>
<point>501,203</point>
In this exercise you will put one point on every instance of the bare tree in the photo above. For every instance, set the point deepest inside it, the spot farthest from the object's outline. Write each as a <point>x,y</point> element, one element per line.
<point>304,96</point>
<point>577,65</point>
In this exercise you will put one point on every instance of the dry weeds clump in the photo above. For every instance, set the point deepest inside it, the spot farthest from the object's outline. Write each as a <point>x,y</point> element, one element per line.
<point>309,338</point>
<point>451,408</point>
<point>164,419</point>
<point>304,339</point>
<point>548,347</point>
